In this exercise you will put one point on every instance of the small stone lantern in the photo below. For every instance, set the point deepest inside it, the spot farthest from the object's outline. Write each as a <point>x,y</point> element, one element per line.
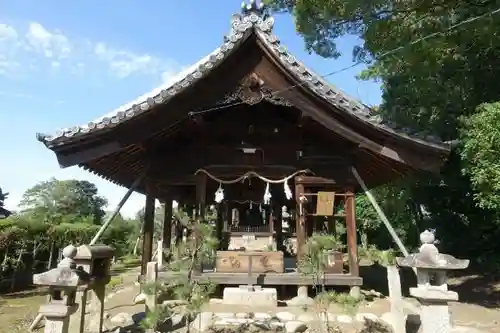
<point>432,288</point>
<point>63,283</point>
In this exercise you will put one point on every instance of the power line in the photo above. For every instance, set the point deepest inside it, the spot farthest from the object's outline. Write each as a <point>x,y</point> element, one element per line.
<point>382,55</point>
<point>399,48</point>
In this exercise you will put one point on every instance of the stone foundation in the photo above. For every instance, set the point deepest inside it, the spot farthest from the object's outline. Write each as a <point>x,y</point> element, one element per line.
<point>267,297</point>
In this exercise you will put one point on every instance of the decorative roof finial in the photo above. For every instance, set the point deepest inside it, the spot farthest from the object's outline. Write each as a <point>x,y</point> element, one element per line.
<point>253,7</point>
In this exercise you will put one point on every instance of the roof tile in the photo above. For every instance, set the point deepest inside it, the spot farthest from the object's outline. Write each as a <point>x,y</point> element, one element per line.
<point>253,18</point>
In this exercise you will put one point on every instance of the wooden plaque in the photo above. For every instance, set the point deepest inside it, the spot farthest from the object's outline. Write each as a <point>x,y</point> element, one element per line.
<point>324,204</point>
<point>237,262</point>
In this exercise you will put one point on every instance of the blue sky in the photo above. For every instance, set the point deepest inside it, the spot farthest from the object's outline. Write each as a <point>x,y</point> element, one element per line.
<point>64,63</point>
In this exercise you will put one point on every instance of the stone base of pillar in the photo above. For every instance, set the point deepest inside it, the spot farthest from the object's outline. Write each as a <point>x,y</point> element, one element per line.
<point>267,297</point>
<point>355,292</point>
<point>302,298</point>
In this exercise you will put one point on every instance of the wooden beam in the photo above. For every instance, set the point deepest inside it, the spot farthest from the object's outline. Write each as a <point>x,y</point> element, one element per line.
<point>300,221</point>
<point>148,229</point>
<point>69,158</point>
<point>201,155</point>
<point>219,224</point>
<point>117,209</point>
<point>278,77</point>
<point>381,215</point>
<point>352,243</point>
<point>201,195</point>
<point>231,166</point>
<point>167,223</point>
<point>273,279</point>
<point>278,224</point>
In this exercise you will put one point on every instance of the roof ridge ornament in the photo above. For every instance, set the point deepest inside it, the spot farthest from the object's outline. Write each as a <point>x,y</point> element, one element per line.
<point>253,16</point>
<point>253,7</point>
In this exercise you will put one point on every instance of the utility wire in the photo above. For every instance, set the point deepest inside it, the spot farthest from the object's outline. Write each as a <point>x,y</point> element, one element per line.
<point>401,47</point>
<point>380,57</point>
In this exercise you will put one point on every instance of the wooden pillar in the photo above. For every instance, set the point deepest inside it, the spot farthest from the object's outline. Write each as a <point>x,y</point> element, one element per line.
<point>219,225</point>
<point>270,219</point>
<point>148,230</point>
<point>226,216</point>
<point>350,221</point>
<point>300,220</point>
<point>201,187</point>
<point>278,226</point>
<point>331,225</point>
<point>167,224</point>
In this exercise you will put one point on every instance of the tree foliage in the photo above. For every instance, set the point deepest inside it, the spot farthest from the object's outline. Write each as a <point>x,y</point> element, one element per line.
<point>3,212</point>
<point>436,61</point>
<point>61,200</point>
<point>55,214</point>
<point>480,153</point>
<point>189,294</point>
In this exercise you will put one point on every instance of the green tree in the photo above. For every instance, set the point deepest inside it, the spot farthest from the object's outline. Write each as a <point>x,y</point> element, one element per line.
<point>481,151</point>
<point>121,234</point>
<point>59,201</point>
<point>3,212</point>
<point>437,85</point>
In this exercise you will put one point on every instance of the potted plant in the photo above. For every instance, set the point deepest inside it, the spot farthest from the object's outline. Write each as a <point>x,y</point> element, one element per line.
<point>322,255</point>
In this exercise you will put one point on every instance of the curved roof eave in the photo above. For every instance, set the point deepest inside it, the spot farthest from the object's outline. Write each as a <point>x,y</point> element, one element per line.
<point>252,20</point>
<point>241,28</point>
<point>341,100</point>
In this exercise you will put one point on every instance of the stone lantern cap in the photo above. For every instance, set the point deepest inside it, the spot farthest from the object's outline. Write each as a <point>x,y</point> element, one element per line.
<point>65,275</point>
<point>441,262</point>
<point>62,277</point>
<point>429,257</point>
<point>88,252</point>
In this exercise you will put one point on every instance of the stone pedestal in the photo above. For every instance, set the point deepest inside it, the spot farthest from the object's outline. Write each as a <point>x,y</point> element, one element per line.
<point>398,316</point>
<point>57,317</point>
<point>250,296</point>
<point>302,298</point>
<point>435,314</point>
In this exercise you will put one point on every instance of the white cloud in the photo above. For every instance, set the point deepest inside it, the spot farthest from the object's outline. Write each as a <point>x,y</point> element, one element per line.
<point>50,44</point>
<point>34,51</point>
<point>7,32</point>
<point>36,47</point>
<point>124,63</point>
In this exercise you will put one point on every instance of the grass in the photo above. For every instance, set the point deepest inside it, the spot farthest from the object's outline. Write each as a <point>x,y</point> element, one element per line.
<point>17,310</point>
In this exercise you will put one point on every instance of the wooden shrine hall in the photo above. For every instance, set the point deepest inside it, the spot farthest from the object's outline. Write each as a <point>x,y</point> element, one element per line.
<point>253,131</point>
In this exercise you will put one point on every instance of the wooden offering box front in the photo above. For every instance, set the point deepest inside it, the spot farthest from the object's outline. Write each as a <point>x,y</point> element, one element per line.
<point>237,262</point>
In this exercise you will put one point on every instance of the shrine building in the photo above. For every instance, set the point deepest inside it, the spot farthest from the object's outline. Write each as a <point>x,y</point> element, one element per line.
<point>249,129</point>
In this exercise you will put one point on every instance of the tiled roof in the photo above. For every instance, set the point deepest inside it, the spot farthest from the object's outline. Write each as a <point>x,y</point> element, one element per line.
<point>252,20</point>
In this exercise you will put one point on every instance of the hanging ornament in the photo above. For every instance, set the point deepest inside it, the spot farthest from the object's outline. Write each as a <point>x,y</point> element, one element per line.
<point>267,195</point>
<point>219,194</point>
<point>251,204</point>
<point>260,208</point>
<point>288,191</point>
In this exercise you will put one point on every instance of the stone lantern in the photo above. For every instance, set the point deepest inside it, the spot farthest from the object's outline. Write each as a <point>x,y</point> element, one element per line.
<point>432,288</point>
<point>63,283</point>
